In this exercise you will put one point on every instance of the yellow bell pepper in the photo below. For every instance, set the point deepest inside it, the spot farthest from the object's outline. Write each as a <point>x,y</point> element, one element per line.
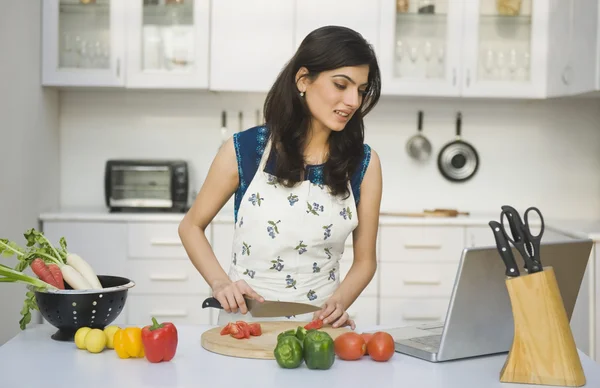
<point>128,343</point>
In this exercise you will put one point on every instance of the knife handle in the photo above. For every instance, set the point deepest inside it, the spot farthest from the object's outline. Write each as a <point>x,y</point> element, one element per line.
<point>504,249</point>
<point>211,302</point>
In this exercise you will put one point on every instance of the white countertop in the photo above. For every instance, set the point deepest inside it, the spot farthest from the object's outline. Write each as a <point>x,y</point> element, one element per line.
<point>33,359</point>
<point>575,228</point>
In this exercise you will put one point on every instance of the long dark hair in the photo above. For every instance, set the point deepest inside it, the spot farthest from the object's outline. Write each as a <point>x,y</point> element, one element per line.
<point>288,118</point>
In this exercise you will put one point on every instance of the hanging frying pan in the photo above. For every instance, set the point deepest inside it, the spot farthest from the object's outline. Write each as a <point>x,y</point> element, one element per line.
<point>418,147</point>
<point>458,160</point>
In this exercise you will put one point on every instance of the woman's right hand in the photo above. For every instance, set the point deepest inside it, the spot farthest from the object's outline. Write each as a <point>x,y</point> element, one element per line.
<point>231,295</point>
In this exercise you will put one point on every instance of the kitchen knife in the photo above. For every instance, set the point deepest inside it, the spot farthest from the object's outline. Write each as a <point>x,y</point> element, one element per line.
<point>504,249</point>
<point>268,308</point>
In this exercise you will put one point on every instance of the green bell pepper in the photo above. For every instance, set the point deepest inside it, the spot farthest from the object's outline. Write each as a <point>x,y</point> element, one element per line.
<point>301,333</point>
<point>291,332</point>
<point>319,352</point>
<point>288,352</point>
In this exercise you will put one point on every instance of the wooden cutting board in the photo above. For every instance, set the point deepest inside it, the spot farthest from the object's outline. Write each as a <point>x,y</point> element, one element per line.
<point>260,347</point>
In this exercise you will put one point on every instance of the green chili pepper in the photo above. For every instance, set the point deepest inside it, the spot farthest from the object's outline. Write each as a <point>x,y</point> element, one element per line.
<point>288,352</point>
<point>319,352</point>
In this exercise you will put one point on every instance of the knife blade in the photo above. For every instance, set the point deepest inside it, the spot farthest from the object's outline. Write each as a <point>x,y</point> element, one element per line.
<point>268,308</point>
<point>504,249</point>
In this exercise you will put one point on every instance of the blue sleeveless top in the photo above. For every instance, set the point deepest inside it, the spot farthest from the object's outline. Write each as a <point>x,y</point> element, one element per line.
<point>249,148</point>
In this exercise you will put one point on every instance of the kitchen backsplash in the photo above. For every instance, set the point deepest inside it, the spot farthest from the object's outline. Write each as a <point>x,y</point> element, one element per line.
<point>545,153</point>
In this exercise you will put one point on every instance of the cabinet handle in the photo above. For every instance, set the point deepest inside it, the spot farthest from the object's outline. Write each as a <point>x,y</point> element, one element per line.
<point>566,75</point>
<point>118,67</point>
<point>165,242</point>
<point>422,282</point>
<point>468,80</point>
<point>454,76</point>
<point>421,318</point>
<point>169,278</point>
<point>422,246</point>
<point>169,314</point>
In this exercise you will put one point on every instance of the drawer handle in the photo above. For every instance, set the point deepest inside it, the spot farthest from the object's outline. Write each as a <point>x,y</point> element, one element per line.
<point>169,278</point>
<point>171,314</point>
<point>422,282</point>
<point>422,318</point>
<point>422,246</point>
<point>164,243</point>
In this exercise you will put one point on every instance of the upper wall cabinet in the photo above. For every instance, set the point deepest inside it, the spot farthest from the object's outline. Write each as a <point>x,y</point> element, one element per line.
<point>488,48</point>
<point>251,41</point>
<point>360,15</point>
<point>167,43</point>
<point>83,43</point>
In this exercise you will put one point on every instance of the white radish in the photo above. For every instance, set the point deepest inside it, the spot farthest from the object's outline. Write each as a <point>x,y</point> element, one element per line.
<point>85,270</point>
<point>74,278</point>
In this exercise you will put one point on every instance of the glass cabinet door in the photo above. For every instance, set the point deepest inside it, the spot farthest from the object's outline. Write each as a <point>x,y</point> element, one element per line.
<point>168,43</point>
<point>420,46</point>
<point>82,42</point>
<point>501,48</point>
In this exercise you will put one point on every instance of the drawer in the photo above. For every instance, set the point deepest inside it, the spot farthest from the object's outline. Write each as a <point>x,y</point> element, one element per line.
<point>177,276</point>
<point>412,311</point>
<point>364,311</point>
<point>178,309</point>
<point>156,240</point>
<point>421,243</point>
<point>417,279</point>
<point>372,288</point>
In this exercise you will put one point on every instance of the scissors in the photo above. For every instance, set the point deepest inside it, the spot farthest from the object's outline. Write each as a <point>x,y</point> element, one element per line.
<point>522,239</point>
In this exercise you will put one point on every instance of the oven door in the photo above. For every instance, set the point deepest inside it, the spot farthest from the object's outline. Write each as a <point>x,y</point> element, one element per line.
<point>140,186</point>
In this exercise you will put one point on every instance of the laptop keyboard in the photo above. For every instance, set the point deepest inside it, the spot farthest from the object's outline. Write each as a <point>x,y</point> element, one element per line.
<point>429,341</point>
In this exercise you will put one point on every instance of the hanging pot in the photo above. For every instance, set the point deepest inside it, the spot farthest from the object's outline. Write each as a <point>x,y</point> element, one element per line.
<point>418,147</point>
<point>458,160</point>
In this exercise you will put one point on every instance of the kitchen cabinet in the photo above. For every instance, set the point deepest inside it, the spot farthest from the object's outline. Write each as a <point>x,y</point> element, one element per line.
<point>488,48</point>
<point>359,15</point>
<point>82,43</point>
<point>250,42</point>
<point>167,44</point>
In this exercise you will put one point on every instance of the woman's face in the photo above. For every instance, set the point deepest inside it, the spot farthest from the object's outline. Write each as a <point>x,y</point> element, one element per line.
<point>335,95</point>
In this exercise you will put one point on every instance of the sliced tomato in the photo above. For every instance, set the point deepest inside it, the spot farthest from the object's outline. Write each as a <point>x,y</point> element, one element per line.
<point>226,329</point>
<point>255,329</point>
<point>244,327</point>
<point>233,328</point>
<point>314,325</point>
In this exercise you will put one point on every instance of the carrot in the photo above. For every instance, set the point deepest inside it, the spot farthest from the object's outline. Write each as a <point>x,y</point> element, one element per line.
<point>43,272</point>
<point>58,277</point>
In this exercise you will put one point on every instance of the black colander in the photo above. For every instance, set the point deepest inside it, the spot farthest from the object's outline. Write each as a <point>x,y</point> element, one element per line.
<point>69,309</point>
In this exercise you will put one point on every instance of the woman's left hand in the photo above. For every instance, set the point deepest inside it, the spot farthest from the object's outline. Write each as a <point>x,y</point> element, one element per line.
<point>333,313</point>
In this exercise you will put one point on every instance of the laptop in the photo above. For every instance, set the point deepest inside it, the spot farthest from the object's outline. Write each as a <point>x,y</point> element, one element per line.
<point>479,318</point>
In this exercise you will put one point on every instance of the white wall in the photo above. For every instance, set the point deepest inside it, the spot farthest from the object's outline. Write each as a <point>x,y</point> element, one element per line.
<point>29,156</point>
<point>545,153</point>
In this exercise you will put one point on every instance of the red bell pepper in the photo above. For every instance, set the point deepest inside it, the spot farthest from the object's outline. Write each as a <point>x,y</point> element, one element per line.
<point>160,341</point>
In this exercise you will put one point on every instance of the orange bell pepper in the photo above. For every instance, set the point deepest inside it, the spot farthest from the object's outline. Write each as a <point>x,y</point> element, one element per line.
<point>128,343</point>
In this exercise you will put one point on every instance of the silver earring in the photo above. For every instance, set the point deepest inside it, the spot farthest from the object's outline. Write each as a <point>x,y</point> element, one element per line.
<point>301,94</point>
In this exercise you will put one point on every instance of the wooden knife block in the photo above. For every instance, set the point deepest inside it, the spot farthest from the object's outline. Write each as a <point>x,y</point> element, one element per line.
<point>543,349</point>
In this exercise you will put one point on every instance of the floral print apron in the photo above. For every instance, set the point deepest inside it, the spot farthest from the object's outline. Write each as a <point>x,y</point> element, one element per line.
<point>288,241</point>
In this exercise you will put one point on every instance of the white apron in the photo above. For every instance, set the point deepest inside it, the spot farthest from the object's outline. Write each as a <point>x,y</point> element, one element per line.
<point>288,241</point>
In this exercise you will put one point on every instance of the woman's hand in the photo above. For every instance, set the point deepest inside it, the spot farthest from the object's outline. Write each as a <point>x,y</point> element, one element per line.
<point>231,295</point>
<point>333,313</point>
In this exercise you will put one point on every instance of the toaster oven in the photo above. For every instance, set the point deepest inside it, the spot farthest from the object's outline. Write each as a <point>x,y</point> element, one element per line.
<point>151,185</point>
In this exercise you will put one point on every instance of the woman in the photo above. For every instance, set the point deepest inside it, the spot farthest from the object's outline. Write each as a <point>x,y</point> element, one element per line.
<point>301,182</point>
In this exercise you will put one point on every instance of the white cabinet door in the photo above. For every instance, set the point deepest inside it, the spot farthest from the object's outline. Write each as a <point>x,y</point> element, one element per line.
<point>250,43</point>
<point>168,44</point>
<point>359,15</point>
<point>420,51</point>
<point>506,55</point>
<point>82,44</point>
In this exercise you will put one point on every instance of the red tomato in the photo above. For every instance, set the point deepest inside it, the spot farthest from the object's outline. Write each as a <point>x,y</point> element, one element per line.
<point>315,324</point>
<point>226,329</point>
<point>367,337</point>
<point>381,346</point>
<point>255,329</point>
<point>244,328</point>
<point>350,346</point>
